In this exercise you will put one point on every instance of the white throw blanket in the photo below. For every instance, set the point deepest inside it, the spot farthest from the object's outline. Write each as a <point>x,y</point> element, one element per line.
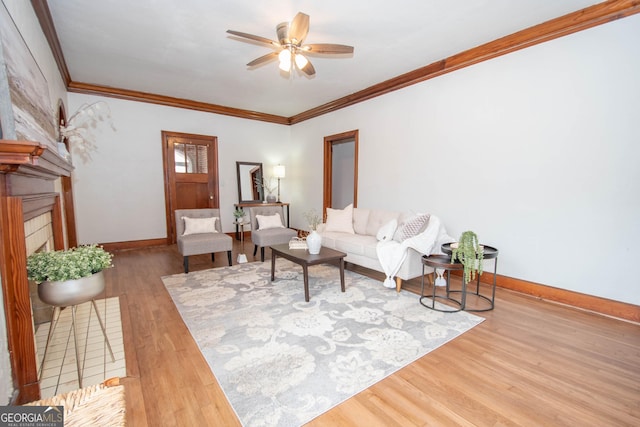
<point>392,254</point>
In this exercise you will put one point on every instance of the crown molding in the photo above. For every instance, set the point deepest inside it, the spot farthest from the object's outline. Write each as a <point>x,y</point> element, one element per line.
<point>133,95</point>
<point>43,13</point>
<point>583,19</point>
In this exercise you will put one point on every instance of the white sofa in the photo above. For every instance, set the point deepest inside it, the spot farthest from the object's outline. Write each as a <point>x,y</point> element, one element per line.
<point>371,228</point>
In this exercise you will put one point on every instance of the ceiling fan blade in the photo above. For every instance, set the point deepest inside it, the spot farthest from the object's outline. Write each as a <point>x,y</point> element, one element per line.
<point>327,48</point>
<point>265,58</point>
<point>308,69</point>
<point>253,37</point>
<point>282,30</point>
<point>299,28</point>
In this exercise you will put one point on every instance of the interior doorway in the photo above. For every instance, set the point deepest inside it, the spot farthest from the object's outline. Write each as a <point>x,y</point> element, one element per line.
<point>340,170</point>
<point>190,174</point>
<point>67,188</point>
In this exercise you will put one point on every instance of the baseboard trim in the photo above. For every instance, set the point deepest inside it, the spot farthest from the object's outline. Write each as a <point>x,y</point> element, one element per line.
<point>620,310</point>
<point>139,244</point>
<point>134,244</point>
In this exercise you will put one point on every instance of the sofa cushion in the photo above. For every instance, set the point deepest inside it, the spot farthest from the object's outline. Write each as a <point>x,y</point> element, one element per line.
<point>377,219</point>
<point>357,244</point>
<point>412,227</point>
<point>404,217</point>
<point>360,217</point>
<point>340,220</point>
<point>386,231</point>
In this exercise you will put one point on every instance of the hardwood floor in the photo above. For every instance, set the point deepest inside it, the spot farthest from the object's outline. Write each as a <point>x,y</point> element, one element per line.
<point>531,362</point>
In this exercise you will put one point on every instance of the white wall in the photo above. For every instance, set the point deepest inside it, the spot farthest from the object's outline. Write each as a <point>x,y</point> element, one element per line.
<point>536,151</point>
<point>119,194</point>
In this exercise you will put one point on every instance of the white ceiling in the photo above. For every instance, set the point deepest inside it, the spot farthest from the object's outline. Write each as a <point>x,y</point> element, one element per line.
<point>180,48</point>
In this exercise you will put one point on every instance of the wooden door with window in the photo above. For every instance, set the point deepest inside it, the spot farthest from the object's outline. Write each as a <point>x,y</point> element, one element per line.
<point>190,174</point>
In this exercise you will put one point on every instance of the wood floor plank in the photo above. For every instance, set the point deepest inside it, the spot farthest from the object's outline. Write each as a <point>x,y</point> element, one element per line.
<point>531,362</point>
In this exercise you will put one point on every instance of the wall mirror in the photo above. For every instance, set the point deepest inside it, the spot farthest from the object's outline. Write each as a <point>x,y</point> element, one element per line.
<point>248,174</point>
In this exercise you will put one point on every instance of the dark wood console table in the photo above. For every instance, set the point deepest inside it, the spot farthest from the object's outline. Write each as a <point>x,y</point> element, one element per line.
<point>257,204</point>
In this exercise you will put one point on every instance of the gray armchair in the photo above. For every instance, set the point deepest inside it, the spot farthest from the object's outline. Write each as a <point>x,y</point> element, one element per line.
<point>269,236</point>
<point>203,240</point>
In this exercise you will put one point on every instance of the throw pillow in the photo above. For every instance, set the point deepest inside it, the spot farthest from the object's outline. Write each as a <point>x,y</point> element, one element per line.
<point>269,221</point>
<point>340,220</point>
<point>360,217</point>
<point>413,227</point>
<point>386,231</point>
<point>199,225</point>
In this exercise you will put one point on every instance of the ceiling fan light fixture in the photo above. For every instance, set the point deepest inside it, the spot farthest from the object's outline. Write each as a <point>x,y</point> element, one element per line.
<point>285,60</point>
<point>290,46</point>
<point>301,61</point>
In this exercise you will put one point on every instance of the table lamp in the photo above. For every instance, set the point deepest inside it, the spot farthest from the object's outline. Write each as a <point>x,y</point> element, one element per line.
<point>279,172</point>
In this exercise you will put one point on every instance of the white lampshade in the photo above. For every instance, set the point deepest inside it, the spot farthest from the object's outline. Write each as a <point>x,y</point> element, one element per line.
<point>278,171</point>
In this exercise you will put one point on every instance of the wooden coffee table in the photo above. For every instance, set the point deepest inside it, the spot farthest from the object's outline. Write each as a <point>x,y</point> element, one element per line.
<point>303,258</point>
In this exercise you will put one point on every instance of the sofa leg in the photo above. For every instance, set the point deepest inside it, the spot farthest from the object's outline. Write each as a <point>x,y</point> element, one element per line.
<point>262,254</point>
<point>255,250</point>
<point>185,262</point>
<point>229,257</point>
<point>398,284</point>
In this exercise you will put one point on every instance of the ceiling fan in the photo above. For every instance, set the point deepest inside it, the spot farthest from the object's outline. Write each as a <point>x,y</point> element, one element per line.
<point>289,49</point>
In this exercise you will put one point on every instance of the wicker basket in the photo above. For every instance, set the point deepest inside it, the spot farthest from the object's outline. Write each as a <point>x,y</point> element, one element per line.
<point>97,405</point>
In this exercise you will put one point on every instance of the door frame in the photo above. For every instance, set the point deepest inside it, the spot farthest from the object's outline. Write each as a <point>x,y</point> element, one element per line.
<point>329,142</point>
<point>170,173</point>
<point>67,187</point>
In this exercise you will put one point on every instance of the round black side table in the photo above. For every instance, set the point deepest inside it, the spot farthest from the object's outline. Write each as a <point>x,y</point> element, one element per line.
<point>442,262</point>
<point>489,253</point>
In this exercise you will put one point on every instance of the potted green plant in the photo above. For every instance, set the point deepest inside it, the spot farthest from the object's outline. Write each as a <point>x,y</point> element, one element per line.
<point>470,253</point>
<point>69,277</point>
<point>239,214</point>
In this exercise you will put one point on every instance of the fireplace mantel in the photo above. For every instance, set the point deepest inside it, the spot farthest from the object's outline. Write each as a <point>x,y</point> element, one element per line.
<point>27,173</point>
<point>32,159</point>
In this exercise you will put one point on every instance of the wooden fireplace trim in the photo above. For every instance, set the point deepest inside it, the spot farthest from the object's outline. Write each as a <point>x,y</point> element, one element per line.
<point>34,161</point>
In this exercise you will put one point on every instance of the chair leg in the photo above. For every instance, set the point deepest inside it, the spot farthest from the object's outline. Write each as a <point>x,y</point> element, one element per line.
<point>262,254</point>
<point>185,262</point>
<point>213,257</point>
<point>229,257</point>
<point>255,250</point>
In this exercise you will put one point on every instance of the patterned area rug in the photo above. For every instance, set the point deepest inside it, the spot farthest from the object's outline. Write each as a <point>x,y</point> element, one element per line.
<point>282,361</point>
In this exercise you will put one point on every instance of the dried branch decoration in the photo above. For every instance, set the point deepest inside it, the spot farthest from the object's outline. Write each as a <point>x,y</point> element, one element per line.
<point>80,126</point>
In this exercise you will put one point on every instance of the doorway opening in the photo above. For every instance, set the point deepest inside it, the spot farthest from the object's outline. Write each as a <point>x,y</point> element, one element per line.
<point>67,187</point>
<point>340,171</point>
